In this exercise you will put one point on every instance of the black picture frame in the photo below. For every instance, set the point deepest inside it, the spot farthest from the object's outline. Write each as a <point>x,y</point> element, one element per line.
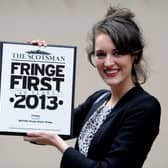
<point>37,86</point>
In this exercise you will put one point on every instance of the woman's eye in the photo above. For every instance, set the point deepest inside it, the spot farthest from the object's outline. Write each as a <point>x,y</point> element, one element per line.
<point>100,55</point>
<point>116,54</point>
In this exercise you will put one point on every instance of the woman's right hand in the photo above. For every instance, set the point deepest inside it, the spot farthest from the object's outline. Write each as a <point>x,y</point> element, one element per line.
<point>47,138</point>
<point>40,43</point>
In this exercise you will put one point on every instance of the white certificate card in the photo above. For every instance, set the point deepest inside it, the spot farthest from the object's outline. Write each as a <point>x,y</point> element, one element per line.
<point>36,88</point>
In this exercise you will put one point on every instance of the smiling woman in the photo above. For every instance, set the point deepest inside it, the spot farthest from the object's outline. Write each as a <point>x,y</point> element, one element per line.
<point>113,67</point>
<point>114,128</point>
<point>126,37</point>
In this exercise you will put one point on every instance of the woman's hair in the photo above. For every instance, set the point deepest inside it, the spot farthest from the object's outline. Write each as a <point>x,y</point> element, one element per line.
<point>126,36</point>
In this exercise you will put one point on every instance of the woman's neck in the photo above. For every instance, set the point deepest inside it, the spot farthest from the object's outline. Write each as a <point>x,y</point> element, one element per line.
<point>118,92</point>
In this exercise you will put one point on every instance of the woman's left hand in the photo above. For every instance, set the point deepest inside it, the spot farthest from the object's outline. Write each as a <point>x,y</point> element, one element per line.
<point>46,138</point>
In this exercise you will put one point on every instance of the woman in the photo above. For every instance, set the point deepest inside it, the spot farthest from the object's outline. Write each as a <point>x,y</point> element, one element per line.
<point>115,128</point>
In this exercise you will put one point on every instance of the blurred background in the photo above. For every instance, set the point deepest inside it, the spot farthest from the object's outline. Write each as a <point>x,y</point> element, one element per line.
<point>67,22</point>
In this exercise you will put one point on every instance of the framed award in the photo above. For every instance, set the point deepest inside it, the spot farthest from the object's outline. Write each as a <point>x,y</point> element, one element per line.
<point>36,88</point>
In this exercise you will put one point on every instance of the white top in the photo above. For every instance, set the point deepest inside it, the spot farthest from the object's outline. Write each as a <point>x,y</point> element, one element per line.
<point>91,126</point>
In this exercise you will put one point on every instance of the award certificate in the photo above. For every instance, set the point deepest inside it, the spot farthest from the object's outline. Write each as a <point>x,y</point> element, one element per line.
<point>36,88</point>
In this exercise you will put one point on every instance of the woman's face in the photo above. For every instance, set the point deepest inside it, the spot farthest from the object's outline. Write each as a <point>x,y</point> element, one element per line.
<point>115,69</point>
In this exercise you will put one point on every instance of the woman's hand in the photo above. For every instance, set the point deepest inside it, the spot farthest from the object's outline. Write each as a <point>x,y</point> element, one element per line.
<point>40,43</point>
<point>46,138</point>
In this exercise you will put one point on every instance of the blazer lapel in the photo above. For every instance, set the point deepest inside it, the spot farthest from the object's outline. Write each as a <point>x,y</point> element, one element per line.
<point>97,104</point>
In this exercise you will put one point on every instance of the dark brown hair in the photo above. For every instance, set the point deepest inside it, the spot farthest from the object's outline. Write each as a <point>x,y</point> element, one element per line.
<point>126,36</point>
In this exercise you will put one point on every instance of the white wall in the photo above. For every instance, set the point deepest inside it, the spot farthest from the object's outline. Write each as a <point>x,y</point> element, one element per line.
<point>67,22</point>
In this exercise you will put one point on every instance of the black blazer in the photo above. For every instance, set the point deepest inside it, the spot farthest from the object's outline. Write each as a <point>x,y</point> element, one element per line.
<point>126,136</point>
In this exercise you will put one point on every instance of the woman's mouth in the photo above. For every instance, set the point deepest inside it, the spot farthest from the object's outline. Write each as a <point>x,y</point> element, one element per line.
<point>111,72</point>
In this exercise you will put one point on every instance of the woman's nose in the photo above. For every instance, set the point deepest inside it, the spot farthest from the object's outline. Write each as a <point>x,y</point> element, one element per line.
<point>109,60</point>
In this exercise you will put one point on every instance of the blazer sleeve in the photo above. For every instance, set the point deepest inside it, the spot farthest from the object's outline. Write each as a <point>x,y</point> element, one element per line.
<point>132,142</point>
<point>82,110</point>
<point>80,113</point>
